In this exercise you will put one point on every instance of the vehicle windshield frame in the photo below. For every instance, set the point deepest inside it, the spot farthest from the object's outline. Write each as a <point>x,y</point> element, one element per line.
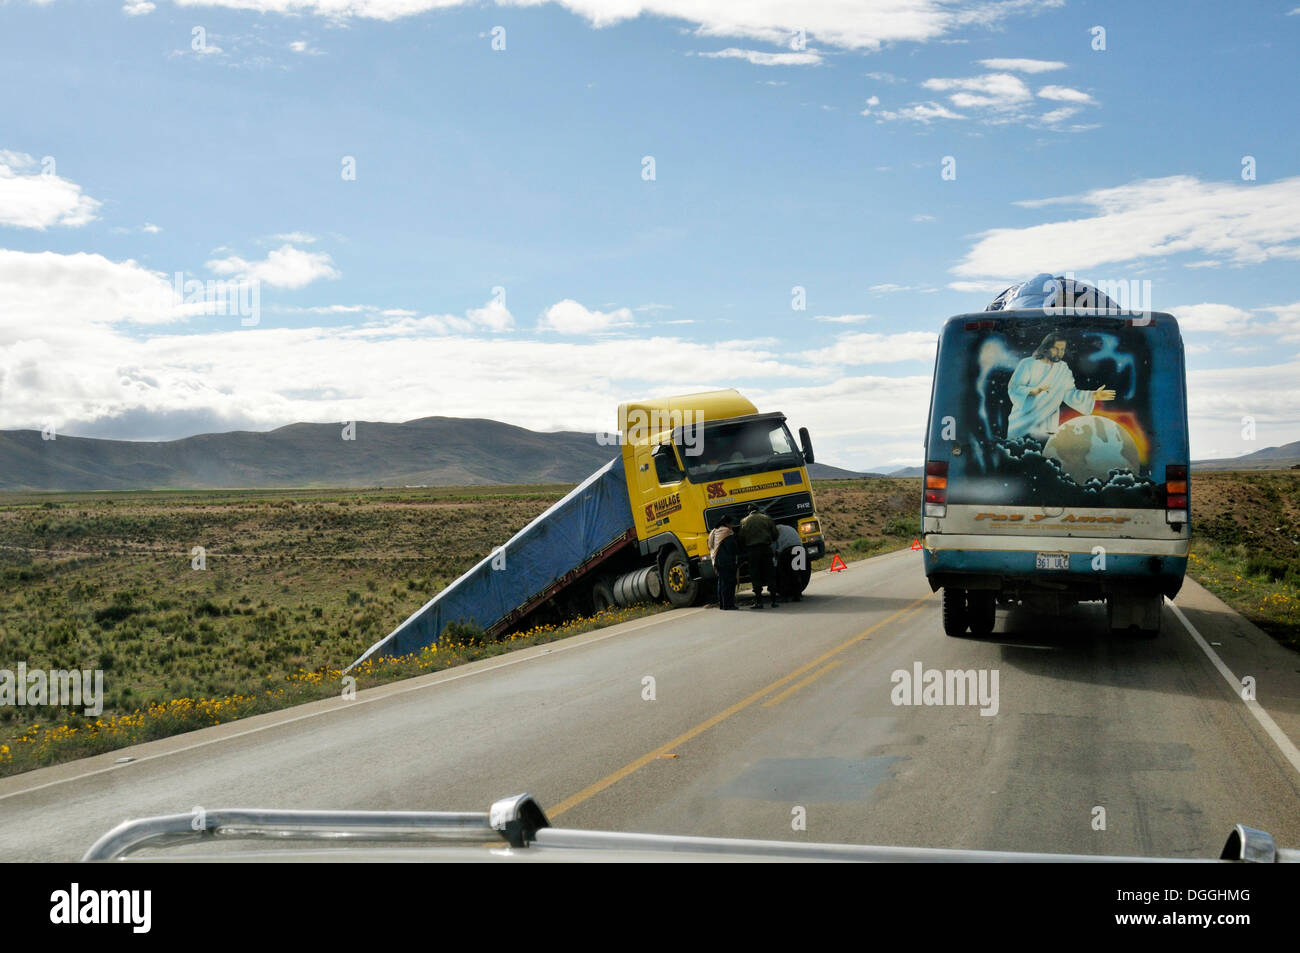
<point>700,471</point>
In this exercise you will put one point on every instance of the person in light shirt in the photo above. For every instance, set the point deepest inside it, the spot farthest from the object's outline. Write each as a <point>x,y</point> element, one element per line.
<point>1041,383</point>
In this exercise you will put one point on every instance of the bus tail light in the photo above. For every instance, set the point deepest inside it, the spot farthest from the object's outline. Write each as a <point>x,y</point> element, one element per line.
<point>1176,493</point>
<point>936,488</point>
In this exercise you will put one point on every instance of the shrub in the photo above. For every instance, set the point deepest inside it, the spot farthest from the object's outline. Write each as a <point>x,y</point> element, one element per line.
<point>461,631</point>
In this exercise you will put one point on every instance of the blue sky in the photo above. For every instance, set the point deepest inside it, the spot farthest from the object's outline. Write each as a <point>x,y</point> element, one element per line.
<point>502,251</point>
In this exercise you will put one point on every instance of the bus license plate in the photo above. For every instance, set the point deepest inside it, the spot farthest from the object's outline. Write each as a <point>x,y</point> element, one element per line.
<point>1053,561</point>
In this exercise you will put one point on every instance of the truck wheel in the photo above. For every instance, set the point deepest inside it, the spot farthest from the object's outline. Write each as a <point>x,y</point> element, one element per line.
<point>679,587</point>
<point>602,596</point>
<point>981,609</point>
<point>954,611</point>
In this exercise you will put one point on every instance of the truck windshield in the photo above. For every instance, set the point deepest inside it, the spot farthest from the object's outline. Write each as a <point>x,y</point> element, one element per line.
<point>736,449</point>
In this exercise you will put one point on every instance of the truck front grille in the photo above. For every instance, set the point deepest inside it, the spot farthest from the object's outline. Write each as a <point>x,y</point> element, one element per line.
<point>783,509</point>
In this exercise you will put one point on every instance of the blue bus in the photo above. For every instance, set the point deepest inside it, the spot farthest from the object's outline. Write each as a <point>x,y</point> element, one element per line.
<point>1056,463</point>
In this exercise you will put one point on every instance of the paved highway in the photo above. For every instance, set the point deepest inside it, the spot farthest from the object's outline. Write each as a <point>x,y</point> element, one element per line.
<point>765,722</point>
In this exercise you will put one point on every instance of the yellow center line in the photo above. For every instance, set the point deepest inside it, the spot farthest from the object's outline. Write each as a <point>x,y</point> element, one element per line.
<point>621,773</point>
<point>798,685</point>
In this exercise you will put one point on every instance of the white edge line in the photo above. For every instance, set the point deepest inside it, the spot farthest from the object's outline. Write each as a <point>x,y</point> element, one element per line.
<point>1285,745</point>
<point>657,618</point>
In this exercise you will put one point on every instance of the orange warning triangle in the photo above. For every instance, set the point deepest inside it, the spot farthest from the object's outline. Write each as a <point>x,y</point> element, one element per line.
<point>916,544</point>
<point>837,564</point>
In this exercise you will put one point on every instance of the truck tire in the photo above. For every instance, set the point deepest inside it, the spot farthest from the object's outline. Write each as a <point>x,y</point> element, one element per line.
<point>602,596</point>
<point>981,612</point>
<point>954,611</point>
<point>679,587</point>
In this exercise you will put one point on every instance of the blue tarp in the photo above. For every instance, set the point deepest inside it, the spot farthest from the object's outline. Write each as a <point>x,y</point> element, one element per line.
<point>587,519</point>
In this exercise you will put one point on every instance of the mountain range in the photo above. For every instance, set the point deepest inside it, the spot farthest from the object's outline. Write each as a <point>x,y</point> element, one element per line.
<point>430,451</point>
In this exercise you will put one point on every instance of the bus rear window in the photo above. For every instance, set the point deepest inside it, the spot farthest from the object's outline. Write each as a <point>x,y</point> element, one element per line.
<point>1062,412</point>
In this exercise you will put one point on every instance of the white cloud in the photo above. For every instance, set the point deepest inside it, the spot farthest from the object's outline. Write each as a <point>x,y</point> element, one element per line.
<point>286,267</point>
<point>1211,317</point>
<point>865,348</point>
<point>759,58</point>
<point>31,198</point>
<point>1286,320</point>
<point>979,287</point>
<point>151,228</point>
<point>923,218</point>
<point>331,309</point>
<point>137,8</point>
<point>70,355</point>
<point>570,317</point>
<point>917,112</point>
<point>843,318</point>
<point>1218,398</point>
<point>492,316</point>
<point>401,322</point>
<point>1239,223</point>
<point>998,91</point>
<point>294,238</point>
<point>1057,115</point>
<point>1022,65</point>
<point>303,46</point>
<point>847,24</point>
<point>56,297</point>
<point>1064,94</point>
<point>881,77</point>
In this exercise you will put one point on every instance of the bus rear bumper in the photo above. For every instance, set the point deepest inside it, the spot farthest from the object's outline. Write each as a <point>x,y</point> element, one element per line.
<point>1097,567</point>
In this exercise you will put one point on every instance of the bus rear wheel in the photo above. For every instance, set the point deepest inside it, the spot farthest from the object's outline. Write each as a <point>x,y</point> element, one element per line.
<point>954,611</point>
<point>981,612</point>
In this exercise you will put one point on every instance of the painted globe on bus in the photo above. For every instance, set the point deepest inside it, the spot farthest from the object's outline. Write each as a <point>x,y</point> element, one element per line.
<point>1090,447</point>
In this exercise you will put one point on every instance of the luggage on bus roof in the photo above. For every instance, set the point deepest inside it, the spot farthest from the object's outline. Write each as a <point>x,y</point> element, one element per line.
<point>1048,291</point>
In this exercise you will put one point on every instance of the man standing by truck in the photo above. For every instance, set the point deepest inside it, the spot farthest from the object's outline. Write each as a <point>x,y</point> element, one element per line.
<point>757,534</point>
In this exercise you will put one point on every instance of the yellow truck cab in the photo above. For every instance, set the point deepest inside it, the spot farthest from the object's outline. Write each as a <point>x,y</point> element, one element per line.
<point>693,460</point>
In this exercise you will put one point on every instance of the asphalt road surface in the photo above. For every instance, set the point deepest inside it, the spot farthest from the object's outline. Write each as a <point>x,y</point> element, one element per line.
<point>762,723</point>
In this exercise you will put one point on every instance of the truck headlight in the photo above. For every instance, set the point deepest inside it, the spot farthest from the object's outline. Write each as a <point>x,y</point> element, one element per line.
<point>809,528</point>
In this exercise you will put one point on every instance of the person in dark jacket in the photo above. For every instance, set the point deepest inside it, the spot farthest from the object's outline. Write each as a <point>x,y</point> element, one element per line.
<point>788,546</point>
<point>725,553</point>
<point>757,534</point>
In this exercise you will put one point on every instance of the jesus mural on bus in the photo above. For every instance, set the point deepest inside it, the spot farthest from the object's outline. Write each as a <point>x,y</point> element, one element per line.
<point>1039,386</point>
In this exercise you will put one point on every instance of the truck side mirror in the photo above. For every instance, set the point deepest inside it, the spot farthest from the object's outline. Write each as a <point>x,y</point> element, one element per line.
<point>805,442</point>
